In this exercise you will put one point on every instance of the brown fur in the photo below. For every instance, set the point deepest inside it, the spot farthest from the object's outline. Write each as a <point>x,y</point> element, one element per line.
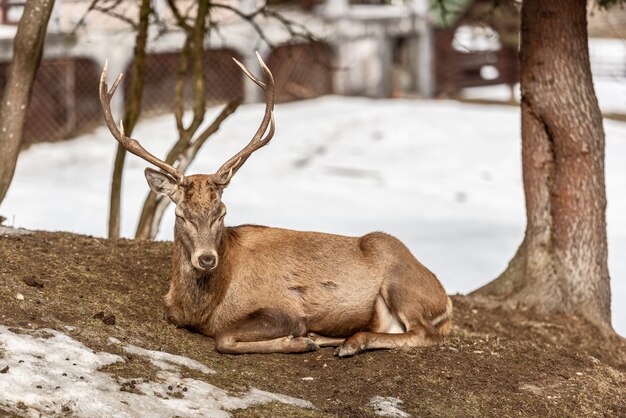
<point>277,290</point>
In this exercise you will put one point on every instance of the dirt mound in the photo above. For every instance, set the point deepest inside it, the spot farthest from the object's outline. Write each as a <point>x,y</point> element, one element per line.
<point>496,362</point>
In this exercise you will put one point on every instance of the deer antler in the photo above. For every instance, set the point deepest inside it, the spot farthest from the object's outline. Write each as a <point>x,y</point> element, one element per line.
<point>230,167</point>
<point>130,144</point>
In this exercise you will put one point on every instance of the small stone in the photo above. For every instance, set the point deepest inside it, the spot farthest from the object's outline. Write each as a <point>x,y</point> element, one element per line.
<point>6,369</point>
<point>19,296</point>
<point>109,319</point>
<point>38,386</point>
<point>81,378</point>
<point>170,388</point>
<point>64,374</point>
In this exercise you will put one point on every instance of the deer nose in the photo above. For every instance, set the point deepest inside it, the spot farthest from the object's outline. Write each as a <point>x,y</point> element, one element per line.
<point>207,261</point>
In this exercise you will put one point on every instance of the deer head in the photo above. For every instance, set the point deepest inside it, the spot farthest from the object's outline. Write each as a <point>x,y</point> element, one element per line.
<point>199,208</point>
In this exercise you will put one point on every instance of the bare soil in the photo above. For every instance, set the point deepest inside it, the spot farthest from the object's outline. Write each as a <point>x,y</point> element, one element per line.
<point>496,362</point>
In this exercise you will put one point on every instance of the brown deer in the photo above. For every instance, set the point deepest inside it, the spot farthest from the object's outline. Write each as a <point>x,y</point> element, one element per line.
<point>256,289</point>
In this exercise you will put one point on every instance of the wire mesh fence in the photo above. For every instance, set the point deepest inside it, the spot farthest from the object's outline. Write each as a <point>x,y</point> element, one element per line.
<point>64,101</point>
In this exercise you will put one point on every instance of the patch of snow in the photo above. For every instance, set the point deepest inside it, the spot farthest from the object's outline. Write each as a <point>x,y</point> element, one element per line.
<point>6,230</point>
<point>165,361</point>
<point>498,92</point>
<point>611,93</point>
<point>8,31</point>
<point>387,406</point>
<point>51,374</point>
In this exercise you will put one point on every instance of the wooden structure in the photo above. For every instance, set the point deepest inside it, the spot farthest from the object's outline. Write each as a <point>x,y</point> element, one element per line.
<point>456,68</point>
<point>302,71</point>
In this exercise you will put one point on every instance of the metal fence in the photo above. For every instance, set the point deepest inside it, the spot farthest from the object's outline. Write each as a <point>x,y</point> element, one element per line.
<point>64,101</point>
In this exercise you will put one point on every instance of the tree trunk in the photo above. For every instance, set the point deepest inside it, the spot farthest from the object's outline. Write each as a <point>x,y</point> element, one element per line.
<point>561,265</point>
<point>27,52</point>
<point>131,114</point>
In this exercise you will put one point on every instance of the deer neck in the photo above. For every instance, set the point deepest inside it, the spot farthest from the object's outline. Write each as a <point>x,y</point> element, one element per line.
<point>194,294</point>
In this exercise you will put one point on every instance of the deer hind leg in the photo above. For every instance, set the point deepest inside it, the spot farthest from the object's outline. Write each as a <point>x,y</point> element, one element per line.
<point>363,341</point>
<point>230,345</point>
<point>391,328</point>
<point>265,331</point>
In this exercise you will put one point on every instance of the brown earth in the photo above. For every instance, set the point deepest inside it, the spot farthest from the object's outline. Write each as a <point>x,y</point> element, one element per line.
<point>496,362</point>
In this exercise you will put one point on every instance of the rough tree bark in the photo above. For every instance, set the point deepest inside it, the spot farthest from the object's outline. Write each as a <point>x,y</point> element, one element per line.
<point>561,266</point>
<point>27,52</point>
<point>131,115</point>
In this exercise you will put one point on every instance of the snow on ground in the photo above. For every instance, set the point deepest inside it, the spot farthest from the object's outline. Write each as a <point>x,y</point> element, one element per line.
<point>387,406</point>
<point>51,374</point>
<point>165,361</point>
<point>611,93</point>
<point>442,176</point>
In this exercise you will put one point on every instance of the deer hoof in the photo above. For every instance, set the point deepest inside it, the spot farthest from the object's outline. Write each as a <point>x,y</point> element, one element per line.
<point>311,345</point>
<point>345,350</point>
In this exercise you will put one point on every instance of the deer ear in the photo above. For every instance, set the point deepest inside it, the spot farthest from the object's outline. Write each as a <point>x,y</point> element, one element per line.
<point>161,183</point>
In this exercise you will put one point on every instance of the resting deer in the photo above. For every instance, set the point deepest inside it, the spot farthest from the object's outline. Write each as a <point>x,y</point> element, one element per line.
<point>256,289</point>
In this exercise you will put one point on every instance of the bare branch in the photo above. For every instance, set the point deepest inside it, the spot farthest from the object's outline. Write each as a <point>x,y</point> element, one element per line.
<point>188,156</point>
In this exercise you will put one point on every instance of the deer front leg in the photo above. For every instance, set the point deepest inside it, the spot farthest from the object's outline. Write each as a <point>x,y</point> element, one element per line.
<point>263,332</point>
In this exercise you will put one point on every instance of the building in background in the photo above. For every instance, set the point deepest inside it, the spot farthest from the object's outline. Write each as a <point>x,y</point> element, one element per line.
<point>366,47</point>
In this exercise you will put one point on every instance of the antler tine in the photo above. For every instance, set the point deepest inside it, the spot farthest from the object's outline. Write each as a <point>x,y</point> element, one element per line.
<point>228,169</point>
<point>130,144</point>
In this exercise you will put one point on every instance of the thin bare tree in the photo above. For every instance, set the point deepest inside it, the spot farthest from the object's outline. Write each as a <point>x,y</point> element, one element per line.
<point>132,110</point>
<point>27,52</point>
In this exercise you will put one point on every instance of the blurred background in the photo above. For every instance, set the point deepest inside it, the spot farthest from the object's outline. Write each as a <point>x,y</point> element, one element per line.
<point>399,116</point>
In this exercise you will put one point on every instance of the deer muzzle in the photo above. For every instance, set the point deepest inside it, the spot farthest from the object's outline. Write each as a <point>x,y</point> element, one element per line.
<point>205,261</point>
